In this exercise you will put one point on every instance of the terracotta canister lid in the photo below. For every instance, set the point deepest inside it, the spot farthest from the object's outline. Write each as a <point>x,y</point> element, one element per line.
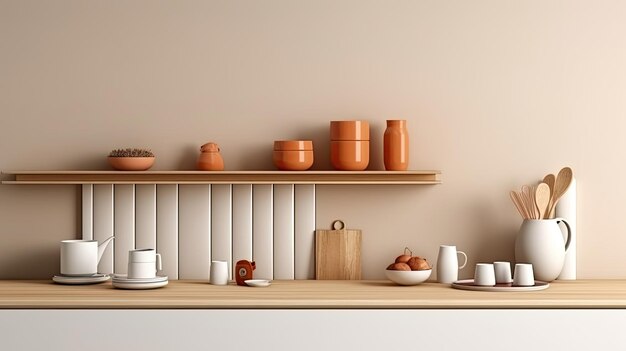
<point>349,130</point>
<point>210,147</point>
<point>293,145</point>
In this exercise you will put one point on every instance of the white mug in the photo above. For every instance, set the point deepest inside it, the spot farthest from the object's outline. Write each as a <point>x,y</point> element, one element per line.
<point>524,275</point>
<point>484,275</point>
<point>448,264</point>
<point>218,274</point>
<point>143,263</point>
<point>503,272</point>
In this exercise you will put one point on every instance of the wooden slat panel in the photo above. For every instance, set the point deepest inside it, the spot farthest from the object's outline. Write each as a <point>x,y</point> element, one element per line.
<point>262,235</point>
<point>87,205</point>
<point>305,231</point>
<point>167,228</point>
<point>242,222</point>
<point>103,223</point>
<point>194,231</point>
<point>124,225</point>
<point>145,216</point>
<point>283,232</point>
<point>221,225</point>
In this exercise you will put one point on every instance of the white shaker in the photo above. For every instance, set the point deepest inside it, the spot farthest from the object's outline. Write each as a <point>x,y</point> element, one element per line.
<point>448,264</point>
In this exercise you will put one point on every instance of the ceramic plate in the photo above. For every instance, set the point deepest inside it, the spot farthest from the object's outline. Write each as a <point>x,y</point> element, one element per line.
<point>260,283</point>
<point>138,286</point>
<point>122,278</point>
<point>93,279</point>
<point>469,285</point>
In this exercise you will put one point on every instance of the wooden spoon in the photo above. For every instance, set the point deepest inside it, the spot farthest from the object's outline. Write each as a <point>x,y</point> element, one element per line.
<point>563,180</point>
<point>549,179</point>
<point>517,202</point>
<point>542,199</point>
<point>527,193</point>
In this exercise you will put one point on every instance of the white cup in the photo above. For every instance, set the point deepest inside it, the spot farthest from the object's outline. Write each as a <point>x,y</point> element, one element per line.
<point>143,263</point>
<point>503,272</point>
<point>484,275</point>
<point>523,275</point>
<point>218,274</point>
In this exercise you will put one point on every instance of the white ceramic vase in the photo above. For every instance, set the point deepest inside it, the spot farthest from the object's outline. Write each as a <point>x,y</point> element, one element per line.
<point>540,242</point>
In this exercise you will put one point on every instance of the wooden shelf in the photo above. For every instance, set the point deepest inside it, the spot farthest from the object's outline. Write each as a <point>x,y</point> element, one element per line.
<point>223,177</point>
<point>319,294</point>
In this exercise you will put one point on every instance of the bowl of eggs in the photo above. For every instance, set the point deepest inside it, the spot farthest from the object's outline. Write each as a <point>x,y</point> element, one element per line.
<point>408,269</point>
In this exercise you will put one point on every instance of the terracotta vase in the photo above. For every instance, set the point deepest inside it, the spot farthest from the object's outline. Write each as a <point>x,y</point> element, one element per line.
<point>210,158</point>
<point>396,147</point>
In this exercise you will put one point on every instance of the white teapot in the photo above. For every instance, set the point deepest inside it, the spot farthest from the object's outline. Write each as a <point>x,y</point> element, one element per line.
<point>81,257</point>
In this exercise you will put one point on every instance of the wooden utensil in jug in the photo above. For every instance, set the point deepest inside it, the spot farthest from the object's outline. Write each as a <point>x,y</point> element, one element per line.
<point>563,180</point>
<point>549,179</point>
<point>542,198</point>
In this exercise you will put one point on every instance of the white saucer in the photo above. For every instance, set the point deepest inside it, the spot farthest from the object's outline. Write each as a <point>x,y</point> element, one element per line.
<point>92,279</point>
<point>259,283</point>
<point>138,286</point>
<point>123,278</point>
<point>121,281</point>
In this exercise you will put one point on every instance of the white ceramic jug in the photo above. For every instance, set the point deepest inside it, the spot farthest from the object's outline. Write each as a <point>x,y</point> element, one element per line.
<point>448,264</point>
<point>540,242</point>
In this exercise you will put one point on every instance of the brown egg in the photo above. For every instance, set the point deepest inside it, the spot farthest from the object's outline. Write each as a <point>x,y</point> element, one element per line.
<point>403,258</point>
<point>399,267</point>
<point>418,264</point>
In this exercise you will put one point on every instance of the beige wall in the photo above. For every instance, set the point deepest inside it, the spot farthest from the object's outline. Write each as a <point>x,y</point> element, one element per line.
<point>496,93</point>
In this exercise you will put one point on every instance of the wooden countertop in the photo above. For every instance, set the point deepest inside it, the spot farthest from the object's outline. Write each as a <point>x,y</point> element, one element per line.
<point>304,294</point>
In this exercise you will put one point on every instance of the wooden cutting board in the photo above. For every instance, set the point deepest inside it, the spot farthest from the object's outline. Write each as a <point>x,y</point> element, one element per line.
<point>338,253</point>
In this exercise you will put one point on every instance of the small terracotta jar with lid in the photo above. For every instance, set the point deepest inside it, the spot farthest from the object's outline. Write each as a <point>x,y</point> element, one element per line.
<point>293,155</point>
<point>210,158</point>
<point>349,145</point>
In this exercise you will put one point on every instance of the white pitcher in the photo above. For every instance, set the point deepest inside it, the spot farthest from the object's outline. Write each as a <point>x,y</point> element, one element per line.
<point>540,242</point>
<point>448,264</point>
<point>81,257</point>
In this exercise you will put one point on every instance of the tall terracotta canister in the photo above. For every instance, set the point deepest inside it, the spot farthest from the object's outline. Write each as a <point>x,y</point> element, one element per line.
<point>210,158</point>
<point>349,145</point>
<point>396,146</point>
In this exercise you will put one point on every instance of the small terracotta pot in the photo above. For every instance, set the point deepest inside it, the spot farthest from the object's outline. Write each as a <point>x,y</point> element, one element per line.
<point>349,130</point>
<point>293,155</point>
<point>350,155</point>
<point>210,158</point>
<point>131,163</point>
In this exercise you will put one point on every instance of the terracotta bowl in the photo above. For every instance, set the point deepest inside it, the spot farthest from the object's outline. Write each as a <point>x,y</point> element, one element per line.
<point>408,277</point>
<point>349,130</point>
<point>293,155</point>
<point>300,160</point>
<point>131,163</point>
<point>293,145</point>
<point>350,155</point>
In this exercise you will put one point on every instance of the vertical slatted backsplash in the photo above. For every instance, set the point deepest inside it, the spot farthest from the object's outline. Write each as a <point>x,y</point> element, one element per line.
<point>192,224</point>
